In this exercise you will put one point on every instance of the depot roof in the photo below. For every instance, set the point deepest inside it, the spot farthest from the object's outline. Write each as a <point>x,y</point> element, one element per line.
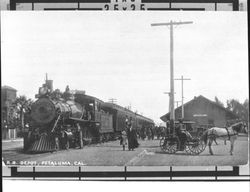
<point>200,97</point>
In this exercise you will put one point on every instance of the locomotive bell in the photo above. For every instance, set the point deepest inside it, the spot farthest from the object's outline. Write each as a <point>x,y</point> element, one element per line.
<point>43,111</point>
<point>43,90</point>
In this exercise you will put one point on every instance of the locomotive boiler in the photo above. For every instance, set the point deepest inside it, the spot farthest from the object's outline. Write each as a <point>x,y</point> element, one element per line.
<point>52,125</point>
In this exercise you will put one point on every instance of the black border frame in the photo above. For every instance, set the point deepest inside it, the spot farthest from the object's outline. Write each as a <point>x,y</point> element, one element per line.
<point>125,175</point>
<point>235,3</point>
<point>133,175</point>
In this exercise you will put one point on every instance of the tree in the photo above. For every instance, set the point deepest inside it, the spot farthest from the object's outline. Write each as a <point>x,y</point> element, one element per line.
<point>246,110</point>
<point>239,109</point>
<point>22,106</point>
<point>218,101</point>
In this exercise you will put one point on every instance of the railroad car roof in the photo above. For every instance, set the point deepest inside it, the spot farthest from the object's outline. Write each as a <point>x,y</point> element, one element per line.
<point>117,107</point>
<point>89,97</point>
<point>143,117</point>
<point>120,108</point>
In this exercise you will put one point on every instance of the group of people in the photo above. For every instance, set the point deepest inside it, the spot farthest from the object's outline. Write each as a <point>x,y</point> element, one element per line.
<point>150,132</point>
<point>147,132</point>
<point>129,136</point>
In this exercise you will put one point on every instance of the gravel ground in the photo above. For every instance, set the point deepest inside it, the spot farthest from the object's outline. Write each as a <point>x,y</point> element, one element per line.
<point>221,156</point>
<point>107,154</point>
<point>148,154</point>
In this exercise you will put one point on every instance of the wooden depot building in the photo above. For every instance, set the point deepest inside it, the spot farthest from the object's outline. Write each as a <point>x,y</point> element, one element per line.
<point>204,113</point>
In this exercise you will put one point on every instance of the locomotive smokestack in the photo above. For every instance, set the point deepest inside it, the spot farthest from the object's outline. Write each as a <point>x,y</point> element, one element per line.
<point>49,83</point>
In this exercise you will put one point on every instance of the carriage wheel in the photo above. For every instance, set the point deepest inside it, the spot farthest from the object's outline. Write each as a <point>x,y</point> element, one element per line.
<point>196,146</point>
<point>162,142</point>
<point>188,151</point>
<point>170,145</point>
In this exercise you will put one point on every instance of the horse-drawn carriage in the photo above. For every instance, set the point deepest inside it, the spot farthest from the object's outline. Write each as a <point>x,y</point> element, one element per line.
<point>179,139</point>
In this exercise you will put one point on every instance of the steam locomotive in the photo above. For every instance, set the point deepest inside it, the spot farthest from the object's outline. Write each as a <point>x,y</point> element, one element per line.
<point>73,119</point>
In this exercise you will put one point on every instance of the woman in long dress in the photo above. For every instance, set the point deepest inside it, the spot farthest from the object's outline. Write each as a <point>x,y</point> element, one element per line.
<point>132,137</point>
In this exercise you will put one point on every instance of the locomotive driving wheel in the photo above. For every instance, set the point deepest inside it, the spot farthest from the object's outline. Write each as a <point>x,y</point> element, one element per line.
<point>56,143</point>
<point>67,145</point>
<point>26,140</point>
<point>169,144</point>
<point>196,146</point>
<point>80,139</point>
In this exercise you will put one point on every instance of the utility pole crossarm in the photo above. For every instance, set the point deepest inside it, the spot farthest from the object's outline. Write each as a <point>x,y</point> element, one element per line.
<point>171,23</point>
<point>168,93</point>
<point>182,95</point>
<point>183,79</point>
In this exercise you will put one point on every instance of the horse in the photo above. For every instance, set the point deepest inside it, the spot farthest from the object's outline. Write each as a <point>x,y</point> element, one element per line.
<point>229,133</point>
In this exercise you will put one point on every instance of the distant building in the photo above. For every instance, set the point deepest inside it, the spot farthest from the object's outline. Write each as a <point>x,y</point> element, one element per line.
<point>8,96</point>
<point>204,112</point>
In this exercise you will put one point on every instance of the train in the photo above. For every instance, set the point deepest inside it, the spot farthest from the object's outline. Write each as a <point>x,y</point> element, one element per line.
<point>73,119</point>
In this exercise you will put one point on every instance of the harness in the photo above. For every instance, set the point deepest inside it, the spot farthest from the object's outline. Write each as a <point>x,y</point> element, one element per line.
<point>229,135</point>
<point>213,134</point>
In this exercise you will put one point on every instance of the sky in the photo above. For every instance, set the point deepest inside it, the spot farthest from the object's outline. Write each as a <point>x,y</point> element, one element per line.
<point>119,55</point>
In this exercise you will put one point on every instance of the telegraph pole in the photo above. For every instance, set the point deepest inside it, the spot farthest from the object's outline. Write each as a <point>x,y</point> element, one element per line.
<point>171,24</point>
<point>169,106</point>
<point>182,95</point>
<point>177,103</point>
<point>112,100</point>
